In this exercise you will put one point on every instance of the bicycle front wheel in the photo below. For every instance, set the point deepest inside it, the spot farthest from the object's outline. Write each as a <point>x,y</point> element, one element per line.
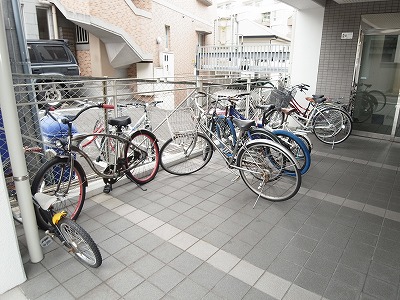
<point>269,170</point>
<point>80,243</point>
<point>332,125</point>
<point>186,154</point>
<point>145,154</point>
<point>54,179</point>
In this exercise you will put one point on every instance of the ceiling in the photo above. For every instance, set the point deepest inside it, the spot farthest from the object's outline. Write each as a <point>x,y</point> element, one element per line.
<point>307,4</point>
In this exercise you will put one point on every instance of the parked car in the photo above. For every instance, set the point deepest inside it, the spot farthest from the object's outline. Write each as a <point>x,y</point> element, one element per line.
<point>54,59</point>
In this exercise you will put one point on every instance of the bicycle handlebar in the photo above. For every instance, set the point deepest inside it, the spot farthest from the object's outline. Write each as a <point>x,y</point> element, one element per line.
<point>70,119</point>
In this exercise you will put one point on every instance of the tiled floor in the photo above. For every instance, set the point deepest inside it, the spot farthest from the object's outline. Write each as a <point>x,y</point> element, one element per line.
<point>198,237</point>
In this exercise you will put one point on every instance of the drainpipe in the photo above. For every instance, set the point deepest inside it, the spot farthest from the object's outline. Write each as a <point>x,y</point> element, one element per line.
<point>17,157</point>
<point>55,23</point>
<point>16,7</point>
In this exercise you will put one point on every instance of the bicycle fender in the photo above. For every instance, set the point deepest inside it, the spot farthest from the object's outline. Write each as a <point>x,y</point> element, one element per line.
<point>276,145</point>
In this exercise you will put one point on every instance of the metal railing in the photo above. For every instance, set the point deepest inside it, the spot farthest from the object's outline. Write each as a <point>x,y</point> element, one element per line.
<point>257,58</point>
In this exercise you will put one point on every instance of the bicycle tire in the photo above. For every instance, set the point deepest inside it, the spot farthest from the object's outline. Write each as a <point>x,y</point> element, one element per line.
<point>46,180</point>
<point>80,243</point>
<point>332,125</point>
<point>147,167</point>
<point>274,119</point>
<point>225,131</point>
<point>175,160</point>
<point>262,133</point>
<point>363,107</point>
<point>380,99</point>
<point>306,140</point>
<point>263,175</point>
<point>297,147</point>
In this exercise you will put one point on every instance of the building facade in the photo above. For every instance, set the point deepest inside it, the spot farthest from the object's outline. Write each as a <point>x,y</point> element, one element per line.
<point>125,38</point>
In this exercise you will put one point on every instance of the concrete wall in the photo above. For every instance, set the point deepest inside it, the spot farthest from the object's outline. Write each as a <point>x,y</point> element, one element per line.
<point>337,56</point>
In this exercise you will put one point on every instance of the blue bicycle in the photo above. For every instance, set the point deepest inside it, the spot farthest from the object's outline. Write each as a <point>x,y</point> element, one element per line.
<point>225,129</point>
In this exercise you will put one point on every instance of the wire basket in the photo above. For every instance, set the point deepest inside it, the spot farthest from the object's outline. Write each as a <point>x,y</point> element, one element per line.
<point>281,98</point>
<point>181,122</point>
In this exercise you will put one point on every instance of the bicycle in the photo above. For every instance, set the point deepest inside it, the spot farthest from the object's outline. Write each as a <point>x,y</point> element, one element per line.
<point>267,168</point>
<point>120,154</point>
<point>225,129</point>
<point>330,123</point>
<point>71,235</point>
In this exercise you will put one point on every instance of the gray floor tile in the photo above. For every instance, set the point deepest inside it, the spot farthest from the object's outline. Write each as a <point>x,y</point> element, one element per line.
<point>380,289</point>
<point>82,283</point>
<point>237,247</point>
<point>149,242</point>
<point>321,266</point>
<point>217,238</point>
<point>147,266</point>
<point>129,254</point>
<point>124,281</point>
<point>181,222</point>
<point>255,294</point>
<point>231,288</point>
<point>166,278</point>
<point>114,244</point>
<point>166,252</point>
<point>295,255</point>
<point>133,233</point>
<point>207,276</point>
<point>284,269</point>
<point>58,292</point>
<point>384,273</point>
<point>67,269</point>
<point>259,257</point>
<point>145,291</point>
<point>199,229</point>
<point>188,289</point>
<point>185,263</point>
<point>39,285</point>
<point>349,276</point>
<point>101,292</point>
<point>109,267</point>
<point>312,281</point>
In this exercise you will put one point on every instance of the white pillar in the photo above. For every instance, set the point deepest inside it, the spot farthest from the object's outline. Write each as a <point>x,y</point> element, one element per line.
<point>306,44</point>
<point>17,157</point>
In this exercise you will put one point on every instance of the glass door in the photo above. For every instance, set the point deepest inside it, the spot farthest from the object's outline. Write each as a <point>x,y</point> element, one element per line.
<point>376,110</point>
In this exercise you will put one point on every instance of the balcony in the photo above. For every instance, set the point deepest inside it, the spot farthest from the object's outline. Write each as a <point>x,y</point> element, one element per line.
<point>254,58</point>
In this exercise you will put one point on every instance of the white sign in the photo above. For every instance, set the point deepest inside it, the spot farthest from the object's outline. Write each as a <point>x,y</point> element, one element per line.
<point>347,35</point>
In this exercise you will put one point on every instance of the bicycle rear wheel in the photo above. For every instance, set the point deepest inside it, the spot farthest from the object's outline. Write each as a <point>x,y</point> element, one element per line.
<point>80,243</point>
<point>53,178</point>
<point>269,170</point>
<point>332,125</point>
<point>186,154</point>
<point>147,162</point>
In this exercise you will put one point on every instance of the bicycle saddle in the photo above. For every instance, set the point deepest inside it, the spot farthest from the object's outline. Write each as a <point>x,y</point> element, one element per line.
<point>243,124</point>
<point>120,121</point>
<point>316,98</point>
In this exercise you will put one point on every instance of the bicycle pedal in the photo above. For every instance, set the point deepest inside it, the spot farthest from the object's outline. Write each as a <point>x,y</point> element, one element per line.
<point>46,241</point>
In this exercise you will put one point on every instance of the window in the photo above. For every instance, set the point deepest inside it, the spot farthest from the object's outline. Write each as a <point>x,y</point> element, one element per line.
<point>82,36</point>
<point>53,53</point>
<point>32,55</point>
<point>266,17</point>
<point>389,48</point>
<point>167,36</point>
<point>43,23</point>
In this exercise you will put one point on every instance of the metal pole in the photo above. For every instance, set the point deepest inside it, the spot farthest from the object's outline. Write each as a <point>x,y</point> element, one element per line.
<point>14,141</point>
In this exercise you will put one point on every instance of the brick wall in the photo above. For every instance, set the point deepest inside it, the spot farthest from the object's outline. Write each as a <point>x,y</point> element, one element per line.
<point>84,62</point>
<point>337,57</point>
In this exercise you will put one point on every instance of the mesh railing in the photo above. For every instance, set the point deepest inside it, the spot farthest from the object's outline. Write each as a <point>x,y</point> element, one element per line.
<point>34,93</point>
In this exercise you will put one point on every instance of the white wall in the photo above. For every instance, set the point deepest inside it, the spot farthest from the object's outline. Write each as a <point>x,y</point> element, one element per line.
<point>306,44</point>
<point>11,269</point>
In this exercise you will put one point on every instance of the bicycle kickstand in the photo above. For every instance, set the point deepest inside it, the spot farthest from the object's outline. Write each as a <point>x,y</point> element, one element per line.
<point>107,188</point>
<point>139,186</point>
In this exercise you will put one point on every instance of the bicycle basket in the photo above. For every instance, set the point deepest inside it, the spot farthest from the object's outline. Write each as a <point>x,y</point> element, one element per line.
<point>182,122</point>
<point>281,98</point>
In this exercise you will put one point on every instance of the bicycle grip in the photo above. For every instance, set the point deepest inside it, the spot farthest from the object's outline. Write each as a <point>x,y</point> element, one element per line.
<point>107,106</point>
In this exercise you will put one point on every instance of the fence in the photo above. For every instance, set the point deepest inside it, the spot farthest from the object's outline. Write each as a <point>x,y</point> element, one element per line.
<point>70,94</point>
